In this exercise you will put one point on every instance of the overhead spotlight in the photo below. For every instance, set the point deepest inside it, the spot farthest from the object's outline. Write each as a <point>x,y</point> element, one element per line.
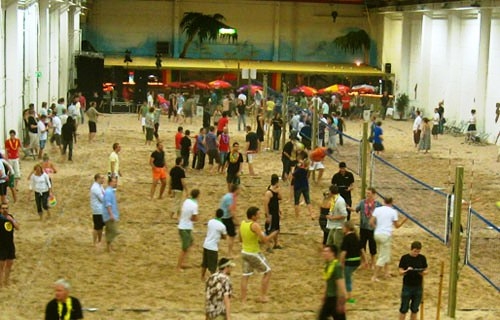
<point>158,60</point>
<point>475,4</point>
<point>335,14</point>
<point>127,58</point>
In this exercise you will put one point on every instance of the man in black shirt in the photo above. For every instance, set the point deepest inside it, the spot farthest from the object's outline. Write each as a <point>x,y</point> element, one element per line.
<point>177,186</point>
<point>412,266</point>
<point>344,180</point>
<point>63,306</point>
<point>286,157</point>
<point>235,159</point>
<point>33,131</point>
<point>252,147</point>
<point>277,123</point>
<point>185,148</point>
<point>7,248</point>
<point>157,163</point>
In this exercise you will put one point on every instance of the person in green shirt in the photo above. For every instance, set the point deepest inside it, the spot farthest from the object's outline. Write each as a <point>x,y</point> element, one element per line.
<point>334,298</point>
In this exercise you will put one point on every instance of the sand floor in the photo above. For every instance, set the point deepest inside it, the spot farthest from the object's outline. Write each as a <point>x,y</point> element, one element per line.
<point>139,280</point>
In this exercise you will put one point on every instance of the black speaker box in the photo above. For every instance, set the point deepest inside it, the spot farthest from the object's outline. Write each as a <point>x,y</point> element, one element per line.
<point>90,74</point>
<point>387,68</point>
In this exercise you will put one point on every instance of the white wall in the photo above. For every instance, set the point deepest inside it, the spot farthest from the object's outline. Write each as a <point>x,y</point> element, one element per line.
<point>493,95</point>
<point>440,53</point>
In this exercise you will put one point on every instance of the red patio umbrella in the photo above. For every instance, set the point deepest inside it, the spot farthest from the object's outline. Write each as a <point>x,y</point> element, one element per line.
<point>176,85</point>
<point>253,88</point>
<point>219,84</point>
<point>197,85</point>
<point>308,91</point>
<point>336,88</point>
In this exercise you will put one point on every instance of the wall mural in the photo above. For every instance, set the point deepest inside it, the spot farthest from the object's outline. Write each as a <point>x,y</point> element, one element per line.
<point>345,50</point>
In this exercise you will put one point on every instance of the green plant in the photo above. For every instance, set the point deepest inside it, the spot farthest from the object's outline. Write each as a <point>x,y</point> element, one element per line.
<point>402,103</point>
<point>205,27</point>
<point>354,41</point>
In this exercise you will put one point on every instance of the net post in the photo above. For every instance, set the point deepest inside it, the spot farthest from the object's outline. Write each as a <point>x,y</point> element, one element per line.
<point>455,241</point>
<point>284,112</point>
<point>364,159</point>
<point>314,135</point>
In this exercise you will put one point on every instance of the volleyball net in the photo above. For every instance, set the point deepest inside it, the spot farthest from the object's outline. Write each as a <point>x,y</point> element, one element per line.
<point>350,152</point>
<point>423,204</point>
<point>481,250</point>
<point>430,208</point>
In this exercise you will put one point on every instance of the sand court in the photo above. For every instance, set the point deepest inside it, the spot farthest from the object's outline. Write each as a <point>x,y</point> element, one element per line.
<point>139,280</point>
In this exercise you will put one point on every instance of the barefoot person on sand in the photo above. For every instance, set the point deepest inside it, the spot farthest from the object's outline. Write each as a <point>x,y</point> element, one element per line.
<point>96,204</point>
<point>334,298</point>
<point>189,214</point>
<point>7,248</point>
<point>384,220</point>
<point>110,214</point>
<point>159,169</point>
<point>250,235</point>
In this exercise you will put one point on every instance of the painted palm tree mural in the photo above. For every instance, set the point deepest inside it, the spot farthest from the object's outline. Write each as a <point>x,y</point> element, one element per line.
<point>205,27</point>
<point>355,41</point>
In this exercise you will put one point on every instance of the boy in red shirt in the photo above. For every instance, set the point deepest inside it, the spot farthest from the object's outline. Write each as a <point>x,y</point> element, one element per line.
<point>12,147</point>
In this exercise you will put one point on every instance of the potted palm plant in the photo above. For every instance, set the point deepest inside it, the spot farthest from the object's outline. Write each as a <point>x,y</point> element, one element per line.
<point>402,103</point>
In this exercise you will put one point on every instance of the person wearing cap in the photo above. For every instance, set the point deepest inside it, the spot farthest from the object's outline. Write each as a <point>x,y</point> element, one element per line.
<point>250,235</point>
<point>344,180</point>
<point>63,306</point>
<point>218,291</point>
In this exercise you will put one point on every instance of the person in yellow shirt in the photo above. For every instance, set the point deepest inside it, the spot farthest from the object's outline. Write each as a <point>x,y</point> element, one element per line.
<point>270,105</point>
<point>250,235</point>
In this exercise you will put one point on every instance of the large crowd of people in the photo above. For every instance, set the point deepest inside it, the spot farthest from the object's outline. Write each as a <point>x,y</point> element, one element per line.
<point>302,167</point>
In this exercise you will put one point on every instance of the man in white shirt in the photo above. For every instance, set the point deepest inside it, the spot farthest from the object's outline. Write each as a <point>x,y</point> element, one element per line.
<point>150,99</point>
<point>43,129</point>
<point>336,218</point>
<point>189,214</point>
<point>96,204</point>
<point>216,230</point>
<point>56,134</point>
<point>417,129</point>
<point>384,219</point>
